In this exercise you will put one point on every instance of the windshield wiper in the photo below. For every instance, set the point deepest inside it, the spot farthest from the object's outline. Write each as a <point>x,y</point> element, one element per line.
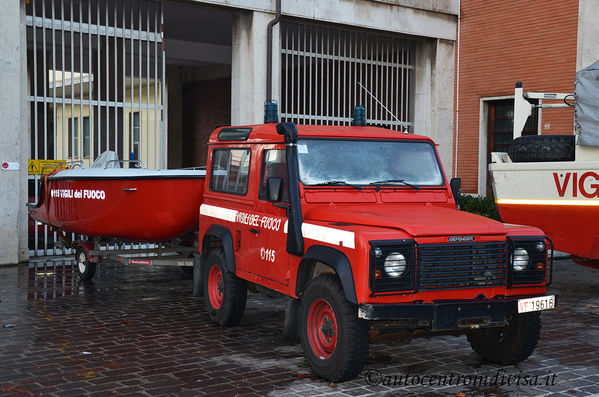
<point>342,183</point>
<point>394,181</point>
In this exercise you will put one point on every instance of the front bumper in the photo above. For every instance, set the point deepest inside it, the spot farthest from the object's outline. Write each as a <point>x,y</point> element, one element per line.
<point>446,315</point>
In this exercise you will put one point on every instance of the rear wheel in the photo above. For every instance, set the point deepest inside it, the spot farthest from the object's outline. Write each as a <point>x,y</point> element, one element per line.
<point>85,268</point>
<point>224,293</point>
<point>335,341</point>
<point>510,344</point>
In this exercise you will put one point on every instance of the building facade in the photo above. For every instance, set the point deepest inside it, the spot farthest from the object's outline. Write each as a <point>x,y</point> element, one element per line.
<point>156,77</point>
<point>541,44</point>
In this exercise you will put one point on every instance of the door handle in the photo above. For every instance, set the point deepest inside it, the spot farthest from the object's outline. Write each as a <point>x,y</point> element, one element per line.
<point>256,231</point>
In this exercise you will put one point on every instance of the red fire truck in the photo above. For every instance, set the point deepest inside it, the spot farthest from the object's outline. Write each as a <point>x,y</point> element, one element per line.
<point>359,227</point>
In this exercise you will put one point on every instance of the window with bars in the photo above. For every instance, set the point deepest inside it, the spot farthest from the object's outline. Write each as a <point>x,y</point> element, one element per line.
<point>90,64</point>
<point>326,71</point>
<point>100,60</point>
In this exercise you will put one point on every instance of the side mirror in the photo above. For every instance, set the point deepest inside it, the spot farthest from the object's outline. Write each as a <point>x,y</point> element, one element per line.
<point>273,187</point>
<point>456,189</point>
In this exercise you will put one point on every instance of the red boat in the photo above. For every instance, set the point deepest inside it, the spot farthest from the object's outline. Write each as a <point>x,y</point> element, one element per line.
<point>133,204</point>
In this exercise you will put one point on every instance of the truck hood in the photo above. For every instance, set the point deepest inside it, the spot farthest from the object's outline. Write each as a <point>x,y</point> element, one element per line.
<point>417,220</point>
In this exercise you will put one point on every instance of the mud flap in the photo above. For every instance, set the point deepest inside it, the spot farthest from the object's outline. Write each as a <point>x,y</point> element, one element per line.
<point>198,279</point>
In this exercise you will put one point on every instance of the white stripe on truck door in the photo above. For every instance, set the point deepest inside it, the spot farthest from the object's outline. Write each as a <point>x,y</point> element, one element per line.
<point>225,214</point>
<point>323,234</point>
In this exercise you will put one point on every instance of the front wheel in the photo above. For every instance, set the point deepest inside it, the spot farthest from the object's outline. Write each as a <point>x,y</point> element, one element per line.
<point>224,293</point>
<point>510,344</point>
<point>85,268</point>
<point>335,341</point>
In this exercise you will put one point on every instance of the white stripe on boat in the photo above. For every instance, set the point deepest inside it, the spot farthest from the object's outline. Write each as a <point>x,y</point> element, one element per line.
<point>548,202</point>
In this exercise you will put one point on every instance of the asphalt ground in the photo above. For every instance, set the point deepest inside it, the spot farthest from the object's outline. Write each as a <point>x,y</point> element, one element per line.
<point>136,331</point>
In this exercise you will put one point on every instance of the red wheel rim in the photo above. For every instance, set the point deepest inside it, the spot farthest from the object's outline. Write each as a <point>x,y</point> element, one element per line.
<point>215,287</point>
<point>322,329</point>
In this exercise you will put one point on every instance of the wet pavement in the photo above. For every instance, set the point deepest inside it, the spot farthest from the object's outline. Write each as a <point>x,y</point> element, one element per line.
<point>137,331</point>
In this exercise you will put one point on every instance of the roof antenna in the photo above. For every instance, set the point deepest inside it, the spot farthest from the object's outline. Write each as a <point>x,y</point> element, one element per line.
<point>403,129</point>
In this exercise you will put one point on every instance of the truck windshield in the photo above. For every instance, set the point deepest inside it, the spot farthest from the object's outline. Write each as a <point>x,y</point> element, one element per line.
<point>364,162</point>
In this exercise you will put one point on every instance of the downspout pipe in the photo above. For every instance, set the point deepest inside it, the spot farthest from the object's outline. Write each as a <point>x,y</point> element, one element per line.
<point>457,100</point>
<point>269,28</point>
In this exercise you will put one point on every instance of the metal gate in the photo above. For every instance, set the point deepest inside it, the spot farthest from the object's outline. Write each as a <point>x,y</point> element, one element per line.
<point>96,82</point>
<point>326,71</point>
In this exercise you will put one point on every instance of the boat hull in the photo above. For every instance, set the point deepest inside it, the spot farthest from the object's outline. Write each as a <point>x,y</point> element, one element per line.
<point>560,198</point>
<point>134,205</point>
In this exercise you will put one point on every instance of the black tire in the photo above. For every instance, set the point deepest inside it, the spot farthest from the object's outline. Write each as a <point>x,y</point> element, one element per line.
<point>224,293</point>
<point>510,344</point>
<point>540,148</point>
<point>85,268</point>
<point>335,341</point>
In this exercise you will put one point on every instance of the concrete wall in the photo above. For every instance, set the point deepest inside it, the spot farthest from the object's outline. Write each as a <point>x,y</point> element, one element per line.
<point>433,18</point>
<point>588,32</point>
<point>14,135</point>
<point>441,109</point>
<point>248,69</point>
<point>433,96</point>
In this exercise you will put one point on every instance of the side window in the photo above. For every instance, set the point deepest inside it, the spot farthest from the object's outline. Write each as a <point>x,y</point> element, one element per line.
<point>230,171</point>
<point>273,165</point>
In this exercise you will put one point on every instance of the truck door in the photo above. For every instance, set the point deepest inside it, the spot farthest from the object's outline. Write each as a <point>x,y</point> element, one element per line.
<point>267,240</point>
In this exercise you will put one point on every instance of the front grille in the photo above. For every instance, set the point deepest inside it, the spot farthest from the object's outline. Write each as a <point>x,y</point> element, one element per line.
<point>450,266</point>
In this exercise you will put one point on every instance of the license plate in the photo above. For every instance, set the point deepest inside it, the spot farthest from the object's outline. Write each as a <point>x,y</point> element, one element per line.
<point>536,304</point>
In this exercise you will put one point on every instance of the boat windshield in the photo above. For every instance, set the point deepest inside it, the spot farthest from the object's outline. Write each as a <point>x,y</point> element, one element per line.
<point>338,162</point>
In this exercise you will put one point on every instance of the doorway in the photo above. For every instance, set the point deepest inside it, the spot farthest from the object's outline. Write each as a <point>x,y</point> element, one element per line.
<point>500,127</point>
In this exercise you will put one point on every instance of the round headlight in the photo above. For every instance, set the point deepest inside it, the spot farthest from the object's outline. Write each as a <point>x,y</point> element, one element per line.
<point>520,259</point>
<point>395,264</point>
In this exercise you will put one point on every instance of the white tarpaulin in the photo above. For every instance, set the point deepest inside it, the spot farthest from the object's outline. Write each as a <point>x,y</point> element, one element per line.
<point>587,105</point>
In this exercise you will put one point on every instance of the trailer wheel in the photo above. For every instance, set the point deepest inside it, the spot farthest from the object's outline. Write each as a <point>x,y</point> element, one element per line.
<point>533,148</point>
<point>335,341</point>
<point>85,268</point>
<point>510,344</point>
<point>224,293</point>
